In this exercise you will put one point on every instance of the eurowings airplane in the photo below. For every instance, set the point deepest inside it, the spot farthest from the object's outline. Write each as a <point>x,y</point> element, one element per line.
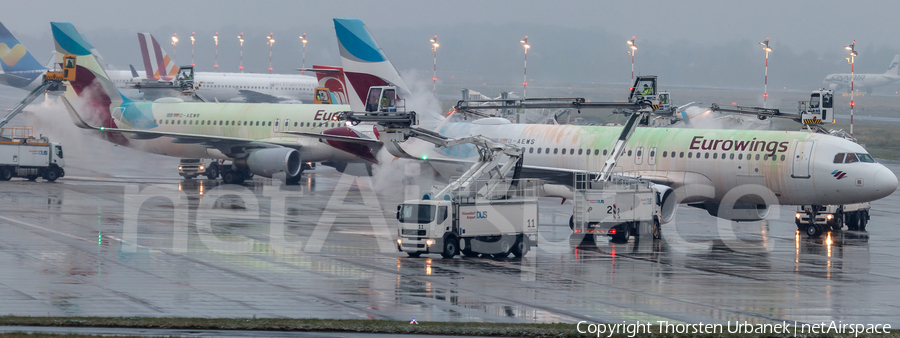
<point>247,87</point>
<point>256,137</point>
<point>838,82</point>
<point>797,167</point>
<point>21,70</point>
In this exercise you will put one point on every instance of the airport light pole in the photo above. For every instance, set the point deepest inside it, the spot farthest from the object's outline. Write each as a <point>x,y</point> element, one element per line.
<point>525,75</point>
<point>241,39</point>
<point>174,46</point>
<point>303,64</point>
<point>434,47</point>
<point>216,39</point>
<point>192,48</point>
<point>631,53</point>
<point>851,60</point>
<point>270,43</point>
<point>766,84</point>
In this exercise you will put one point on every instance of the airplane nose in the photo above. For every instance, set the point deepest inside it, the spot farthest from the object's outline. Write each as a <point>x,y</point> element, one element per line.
<point>885,182</point>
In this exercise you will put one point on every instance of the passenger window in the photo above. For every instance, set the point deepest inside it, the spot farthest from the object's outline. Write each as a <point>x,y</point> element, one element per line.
<point>539,150</point>
<point>715,155</point>
<point>757,157</point>
<point>580,151</point>
<point>839,158</point>
<point>740,156</point>
<point>564,151</point>
<point>596,152</point>
<point>690,155</point>
<point>851,158</point>
<point>782,158</point>
<point>629,153</point>
<point>531,150</point>
<point>681,155</point>
<point>698,154</point>
<point>705,155</point>
<point>652,153</point>
<point>731,156</point>
<point>604,152</point>
<point>555,150</point>
<point>664,153</point>
<point>295,124</point>
<point>547,150</point>
<point>638,153</point>
<point>571,151</point>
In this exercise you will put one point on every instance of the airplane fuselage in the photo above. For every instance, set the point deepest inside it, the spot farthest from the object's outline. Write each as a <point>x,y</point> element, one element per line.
<point>798,167</point>
<point>260,122</point>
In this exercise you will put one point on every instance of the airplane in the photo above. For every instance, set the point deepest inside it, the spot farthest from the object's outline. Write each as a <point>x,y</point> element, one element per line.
<point>255,137</point>
<point>246,87</point>
<point>21,70</point>
<point>704,164</point>
<point>837,82</point>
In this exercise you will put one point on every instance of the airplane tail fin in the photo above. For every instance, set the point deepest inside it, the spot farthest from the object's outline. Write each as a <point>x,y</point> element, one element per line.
<point>157,62</point>
<point>364,62</point>
<point>892,69</point>
<point>13,55</point>
<point>333,79</point>
<point>91,83</point>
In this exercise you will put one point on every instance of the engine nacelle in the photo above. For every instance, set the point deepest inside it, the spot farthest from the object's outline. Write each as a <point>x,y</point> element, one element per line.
<point>740,211</point>
<point>665,198</point>
<point>268,162</point>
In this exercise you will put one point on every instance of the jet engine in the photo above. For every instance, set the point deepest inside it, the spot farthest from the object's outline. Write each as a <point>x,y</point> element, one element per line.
<point>740,211</point>
<point>268,162</point>
<point>665,198</point>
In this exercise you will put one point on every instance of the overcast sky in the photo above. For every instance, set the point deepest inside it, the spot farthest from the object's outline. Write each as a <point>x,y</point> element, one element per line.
<point>567,37</point>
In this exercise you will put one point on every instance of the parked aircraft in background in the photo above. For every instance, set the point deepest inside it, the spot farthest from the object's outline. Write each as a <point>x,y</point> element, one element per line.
<point>837,82</point>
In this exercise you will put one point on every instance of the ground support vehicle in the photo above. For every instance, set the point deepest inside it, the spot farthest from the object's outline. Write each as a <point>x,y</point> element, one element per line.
<point>831,217</point>
<point>22,155</point>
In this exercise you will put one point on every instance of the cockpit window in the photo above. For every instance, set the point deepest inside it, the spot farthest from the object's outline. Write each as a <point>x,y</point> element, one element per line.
<point>851,158</point>
<point>865,158</point>
<point>839,158</point>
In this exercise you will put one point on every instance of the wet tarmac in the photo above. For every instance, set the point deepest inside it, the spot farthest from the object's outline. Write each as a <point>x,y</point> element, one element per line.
<point>77,247</point>
<point>197,333</point>
<point>121,236</point>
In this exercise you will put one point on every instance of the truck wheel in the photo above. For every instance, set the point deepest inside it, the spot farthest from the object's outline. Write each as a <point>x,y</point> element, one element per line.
<point>414,254</point>
<point>212,172</point>
<point>838,223</point>
<point>814,230</point>
<point>5,174</point>
<point>853,221</point>
<point>505,248</point>
<point>863,220</point>
<point>451,247</point>
<point>232,177</point>
<point>52,174</point>
<point>655,230</point>
<point>521,248</point>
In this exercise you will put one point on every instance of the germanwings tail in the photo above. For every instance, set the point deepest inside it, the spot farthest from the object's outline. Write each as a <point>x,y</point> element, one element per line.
<point>364,62</point>
<point>333,79</point>
<point>91,83</point>
<point>13,55</point>
<point>892,69</point>
<point>158,64</point>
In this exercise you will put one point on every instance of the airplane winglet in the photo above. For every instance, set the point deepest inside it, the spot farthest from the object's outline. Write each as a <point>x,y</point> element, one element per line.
<point>134,72</point>
<point>79,122</point>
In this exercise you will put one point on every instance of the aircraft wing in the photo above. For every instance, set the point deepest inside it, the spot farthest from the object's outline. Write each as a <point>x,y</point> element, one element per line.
<point>565,176</point>
<point>364,141</point>
<point>254,96</point>
<point>224,144</point>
